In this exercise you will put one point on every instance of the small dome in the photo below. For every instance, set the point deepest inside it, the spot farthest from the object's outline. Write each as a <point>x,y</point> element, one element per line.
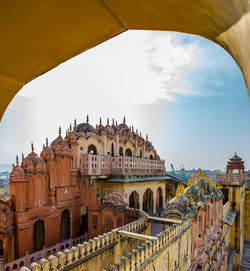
<point>122,126</point>
<point>33,162</point>
<point>47,153</point>
<point>100,128</point>
<point>17,173</point>
<point>71,138</point>
<point>60,146</point>
<point>109,130</point>
<point>6,216</point>
<point>85,128</point>
<point>115,199</point>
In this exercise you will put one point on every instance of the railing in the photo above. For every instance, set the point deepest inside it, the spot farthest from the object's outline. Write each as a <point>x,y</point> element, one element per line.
<point>230,179</point>
<point>44,253</point>
<point>91,164</point>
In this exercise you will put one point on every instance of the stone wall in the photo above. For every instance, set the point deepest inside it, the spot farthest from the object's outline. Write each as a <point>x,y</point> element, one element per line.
<point>247,215</point>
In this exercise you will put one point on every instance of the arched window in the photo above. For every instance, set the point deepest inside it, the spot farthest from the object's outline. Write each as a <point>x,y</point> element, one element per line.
<point>92,149</point>
<point>121,151</point>
<point>65,225</point>
<point>140,153</point>
<point>38,235</point>
<point>128,152</point>
<point>112,149</point>
<point>134,200</point>
<point>94,222</point>
<point>151,157</point>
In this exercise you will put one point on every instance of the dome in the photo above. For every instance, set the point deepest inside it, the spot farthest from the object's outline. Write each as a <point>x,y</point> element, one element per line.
<point>47,153</point>
<point>33,162</point>
<point>6,216</point>
<point>17,173</point>
<point>122,126</point>
<point>60,146</point>
<point>71,138</point>
<point>85,128</point>
<point>115,199</point>
<point>109,130</point>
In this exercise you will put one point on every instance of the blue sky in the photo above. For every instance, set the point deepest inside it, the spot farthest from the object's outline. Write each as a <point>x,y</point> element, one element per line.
<point>184,91</point>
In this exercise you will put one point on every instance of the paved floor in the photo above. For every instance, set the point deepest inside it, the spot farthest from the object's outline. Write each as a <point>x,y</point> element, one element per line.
<point>156,228</point>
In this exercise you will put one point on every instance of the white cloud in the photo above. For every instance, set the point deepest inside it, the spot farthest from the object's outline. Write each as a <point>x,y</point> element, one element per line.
<point>110,80</point>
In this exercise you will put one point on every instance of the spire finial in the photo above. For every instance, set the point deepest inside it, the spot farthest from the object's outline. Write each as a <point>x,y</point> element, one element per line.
<point>70,127</point>
<point>140,133</point>
<point>147,137</point>
<point>22,157</point>
<point>17,162</point>
<point>47,142</point>
<point>74,122</point>
<point>87,118</point>
<point>133,128</point>
<point>124,120</point>
<point>107,121</point>
<point>116,124</point>
<point>100,120</point>
<point>113,121</point>
<point>32,147</point>
<point>13,165</point>
<point>60,130</point>
<point>137,131</point>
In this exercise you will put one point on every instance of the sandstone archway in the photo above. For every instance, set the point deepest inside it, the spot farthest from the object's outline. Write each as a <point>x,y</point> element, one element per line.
<point>32,43</point>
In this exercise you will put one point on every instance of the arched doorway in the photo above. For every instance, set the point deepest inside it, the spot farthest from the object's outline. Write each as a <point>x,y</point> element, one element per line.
<point>159,201</point>
<point>1,249</point>
<point>128,152</point>
<point>10,248</point>
<point>38,235</point>
<point>121,151</point>
<point>92,149</point>
<point>65,225</point>
<point>112,149</point>
<point>148,201</point>
<point>134,200</point>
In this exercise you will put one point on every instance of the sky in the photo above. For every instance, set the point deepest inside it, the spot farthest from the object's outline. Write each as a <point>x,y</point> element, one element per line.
<point>184,91</point>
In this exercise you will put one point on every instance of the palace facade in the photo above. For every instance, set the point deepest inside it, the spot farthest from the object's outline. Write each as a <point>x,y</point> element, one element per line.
<point>100,199</point>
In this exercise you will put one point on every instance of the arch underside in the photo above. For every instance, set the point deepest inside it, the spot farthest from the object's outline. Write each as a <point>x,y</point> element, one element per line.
<point>36,36</point>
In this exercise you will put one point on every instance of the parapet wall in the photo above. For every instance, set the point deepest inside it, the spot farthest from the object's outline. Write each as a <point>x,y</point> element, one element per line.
<point>171,250</point>
<point>97,252</point>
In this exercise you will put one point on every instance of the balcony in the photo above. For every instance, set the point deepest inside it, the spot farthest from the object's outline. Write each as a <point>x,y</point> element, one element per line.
<point>102,165</point>
<point>230,179</point>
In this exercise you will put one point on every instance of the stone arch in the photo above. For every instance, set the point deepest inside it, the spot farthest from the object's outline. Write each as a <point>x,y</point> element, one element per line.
<point>92,149</point>
<point>65,225</point>
<point>159,200</point>
<point>38,235</point>
<point>134,200</point>
<point>148,201</point>
<point>128,152</point>
<point>121,151</point>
